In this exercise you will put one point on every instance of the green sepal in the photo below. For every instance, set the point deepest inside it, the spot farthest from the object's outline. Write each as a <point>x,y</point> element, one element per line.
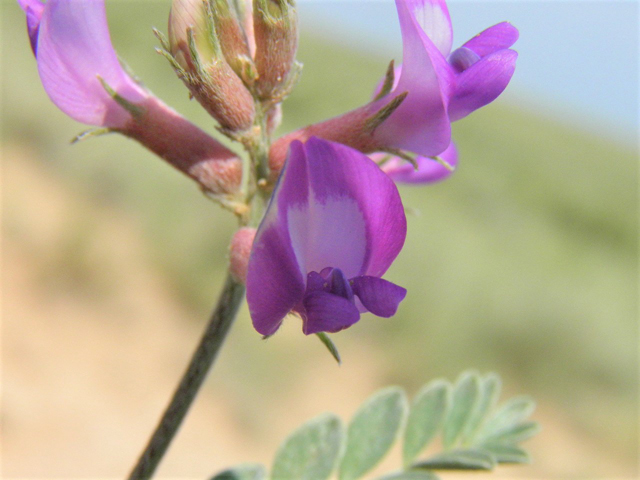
<point>181,72</point>
<point>193,52</point>
<point>389,80</point>
<point>92,132</point>
<point>164,42</point>
<point>443,162</point>
<point>409,157</point>
<point>133,109</point>
<point>373,122</point>
<point>333,350</point>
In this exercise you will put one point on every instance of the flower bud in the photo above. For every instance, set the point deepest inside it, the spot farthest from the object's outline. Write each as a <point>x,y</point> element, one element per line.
<point>231,35</point>
<point>197,57</point>
<point>239,252</point>
<point>186,14</point>
<point>245,12</point>
<point>276,35</point>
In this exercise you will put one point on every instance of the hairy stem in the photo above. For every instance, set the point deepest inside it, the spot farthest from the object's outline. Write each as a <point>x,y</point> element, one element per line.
<point>204,356</point>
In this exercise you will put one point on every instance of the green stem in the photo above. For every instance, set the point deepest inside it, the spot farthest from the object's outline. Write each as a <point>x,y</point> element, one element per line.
<point>203,358</point>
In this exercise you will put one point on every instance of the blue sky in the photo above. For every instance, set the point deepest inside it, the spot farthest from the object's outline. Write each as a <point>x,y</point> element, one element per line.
<point>577,59</point>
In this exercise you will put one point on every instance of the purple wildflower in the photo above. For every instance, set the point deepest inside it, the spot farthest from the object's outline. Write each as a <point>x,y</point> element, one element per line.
<point>440,87</point>
<point>71,41</point>
<point>334,226</point>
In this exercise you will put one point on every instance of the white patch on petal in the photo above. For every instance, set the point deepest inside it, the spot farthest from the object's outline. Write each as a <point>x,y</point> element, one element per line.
<point>435,22</point>
<point>331,233</point>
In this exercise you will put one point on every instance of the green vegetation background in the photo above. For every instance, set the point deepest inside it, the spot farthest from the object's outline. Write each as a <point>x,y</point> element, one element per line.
<point>524,262</point>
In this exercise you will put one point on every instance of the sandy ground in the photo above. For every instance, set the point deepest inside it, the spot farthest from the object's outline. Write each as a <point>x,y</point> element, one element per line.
<point>88,363</point>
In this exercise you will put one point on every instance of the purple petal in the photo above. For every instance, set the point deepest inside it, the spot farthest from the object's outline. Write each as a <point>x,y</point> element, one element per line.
<point>74,47</point>
<point>429,170</point>
<point>462,58</point>
<point>481,83</point>
<point>421,123</point>
<point>274,282</point>
<point>433,17</point>
<point>316,281</point>
<point>378,296</point>
<point>495,38</point>
<point>326,312</point>
<point>33,9</point>
<point>326,227</point>
<point>355,220</point>
<point>340,284</point>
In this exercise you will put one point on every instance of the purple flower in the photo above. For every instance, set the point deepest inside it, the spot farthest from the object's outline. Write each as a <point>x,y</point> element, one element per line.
<point>442,90</point>
<point>428,171</point>
<point>440,87</point>
<point>334,226</point>
<point>71,41</point>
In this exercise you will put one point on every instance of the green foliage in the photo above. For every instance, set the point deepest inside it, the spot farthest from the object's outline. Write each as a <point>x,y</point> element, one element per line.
<point>413,475</point>
<point>476,434</point>
<point>466,394</point>
<point>463,459</point>
<point>310,453</point>
<point>372,432</point>
<point>425,418</point>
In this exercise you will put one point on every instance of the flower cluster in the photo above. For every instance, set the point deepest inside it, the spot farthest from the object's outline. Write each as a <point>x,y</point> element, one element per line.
<point>334,222</point>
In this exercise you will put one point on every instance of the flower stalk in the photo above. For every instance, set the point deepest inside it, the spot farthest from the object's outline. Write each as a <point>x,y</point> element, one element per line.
<point>203,358</point>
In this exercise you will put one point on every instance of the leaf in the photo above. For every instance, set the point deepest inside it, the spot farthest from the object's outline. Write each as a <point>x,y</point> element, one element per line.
<point>507,453</point>
<point>311,452</point>
<point>514,434</point>
<point>463,459</point>
<point>415,475</point>
<point>372,432</point>
<point>465,395</point>
<point>488,397</point>
<point>513,411</point>
<point>425,418</point>
<point>247,471</point>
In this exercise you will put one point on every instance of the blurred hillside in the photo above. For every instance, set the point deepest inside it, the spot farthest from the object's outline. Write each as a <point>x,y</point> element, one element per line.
<point>524,262</point>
